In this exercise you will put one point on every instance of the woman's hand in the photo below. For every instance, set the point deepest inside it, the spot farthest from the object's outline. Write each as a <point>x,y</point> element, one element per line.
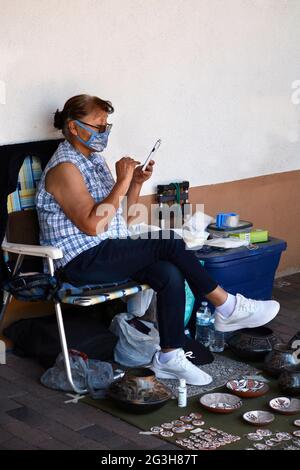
<point>140,176</point>
<point>125,169</point>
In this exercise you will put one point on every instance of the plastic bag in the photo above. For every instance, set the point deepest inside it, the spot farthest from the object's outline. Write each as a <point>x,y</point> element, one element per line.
<point>194,229</point>
<point>87,373</point>
<point>138,303</point>
<point>134,348</point>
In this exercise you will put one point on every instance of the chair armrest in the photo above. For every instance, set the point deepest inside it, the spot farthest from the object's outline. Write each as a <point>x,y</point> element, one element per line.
<point>33,250</point>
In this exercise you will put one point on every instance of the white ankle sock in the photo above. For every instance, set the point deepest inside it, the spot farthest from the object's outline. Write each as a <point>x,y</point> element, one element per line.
<point>166,356</point>
<point>227,308</point>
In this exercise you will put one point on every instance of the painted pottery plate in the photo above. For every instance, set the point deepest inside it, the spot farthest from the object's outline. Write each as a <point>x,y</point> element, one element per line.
<point>258,417</point>
<point>247,387</point>
<point>220,402</point>
<point>284,405</point>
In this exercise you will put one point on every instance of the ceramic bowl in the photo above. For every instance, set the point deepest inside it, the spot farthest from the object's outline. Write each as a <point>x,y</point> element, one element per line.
<point>139,391</point>
<point>252,343</point>
<point>280,359</point>
<point>220,402</point>
<point>247,388</point>
<point>286,406</point>
<point>258,417</point>
<point>289,381</point>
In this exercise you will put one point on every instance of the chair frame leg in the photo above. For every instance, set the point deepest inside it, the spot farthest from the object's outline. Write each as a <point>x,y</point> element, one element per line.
<point>6,295</point>
<point>63,339</point>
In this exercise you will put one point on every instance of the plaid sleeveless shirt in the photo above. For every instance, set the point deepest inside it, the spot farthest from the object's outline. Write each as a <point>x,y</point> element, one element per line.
<point>56,228</point>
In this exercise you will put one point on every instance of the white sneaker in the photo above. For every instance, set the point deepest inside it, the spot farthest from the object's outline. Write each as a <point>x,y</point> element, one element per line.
<point>248,313</point>
<point>179,367</point>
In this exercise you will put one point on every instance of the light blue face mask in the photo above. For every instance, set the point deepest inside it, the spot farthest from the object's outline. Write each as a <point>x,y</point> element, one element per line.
<point>97,141</point>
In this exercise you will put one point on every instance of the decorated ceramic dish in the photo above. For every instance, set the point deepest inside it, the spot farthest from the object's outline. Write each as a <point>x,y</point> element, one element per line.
<point>247,387</point>
<point>286,406</point>
<point>258,417</point>
<point>220,402</point>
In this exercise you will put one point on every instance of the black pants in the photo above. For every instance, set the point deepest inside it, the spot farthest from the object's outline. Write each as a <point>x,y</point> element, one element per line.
<point>162,262</point>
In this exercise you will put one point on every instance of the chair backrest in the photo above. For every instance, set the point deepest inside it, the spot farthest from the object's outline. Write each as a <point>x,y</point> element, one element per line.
<point>22,225</point>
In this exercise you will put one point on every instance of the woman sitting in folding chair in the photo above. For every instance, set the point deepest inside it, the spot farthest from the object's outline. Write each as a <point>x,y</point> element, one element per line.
<point>79,209</point>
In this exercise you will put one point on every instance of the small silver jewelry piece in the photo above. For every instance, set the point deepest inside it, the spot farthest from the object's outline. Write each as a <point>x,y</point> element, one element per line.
<point>284,436</point>
<point>156,429</point>
<point>189,427</point>
<point>260,446</point>
<point>195,415</point>
<point>252,436</point>
<point>177,422</point>
<point>166,433</point>
<point>197,430</point>
<point>198,422</point>
<point>167,425</point>
<point>178,429</point>
<point>271,443</point>
<point>264,432</point>
<point>186,419</point>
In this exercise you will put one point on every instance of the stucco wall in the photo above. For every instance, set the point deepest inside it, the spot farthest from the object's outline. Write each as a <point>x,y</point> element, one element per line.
<point>212,78</point>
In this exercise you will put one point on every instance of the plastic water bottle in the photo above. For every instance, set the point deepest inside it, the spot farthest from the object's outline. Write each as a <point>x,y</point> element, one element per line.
<point>203,318</point>
<point>187,333</point>
<point>216,338</point>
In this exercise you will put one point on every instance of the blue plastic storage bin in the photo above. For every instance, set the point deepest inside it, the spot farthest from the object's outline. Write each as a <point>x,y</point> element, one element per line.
<point>248,272</point>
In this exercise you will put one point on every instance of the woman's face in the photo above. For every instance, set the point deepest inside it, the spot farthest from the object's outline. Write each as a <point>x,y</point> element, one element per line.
<point>97,119</point>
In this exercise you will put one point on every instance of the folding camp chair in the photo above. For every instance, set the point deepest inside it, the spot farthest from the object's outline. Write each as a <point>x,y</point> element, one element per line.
<point>22,240</point>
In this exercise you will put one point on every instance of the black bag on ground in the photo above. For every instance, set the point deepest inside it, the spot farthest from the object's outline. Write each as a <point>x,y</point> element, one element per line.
<point>200,354</point>
<point>39,337</point>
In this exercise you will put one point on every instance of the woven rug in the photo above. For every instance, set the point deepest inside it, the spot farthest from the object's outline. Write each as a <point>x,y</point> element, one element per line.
<point>222,369</point>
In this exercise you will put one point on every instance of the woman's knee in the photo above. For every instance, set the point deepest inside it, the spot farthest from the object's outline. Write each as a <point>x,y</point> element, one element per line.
<point>171,274</point>
<point>161,275</point>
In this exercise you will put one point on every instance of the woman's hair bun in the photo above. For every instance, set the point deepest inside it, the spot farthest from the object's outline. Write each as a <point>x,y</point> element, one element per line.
<point>58,120</point>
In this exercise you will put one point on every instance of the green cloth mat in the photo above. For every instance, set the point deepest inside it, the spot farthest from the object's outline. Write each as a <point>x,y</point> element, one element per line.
<point>232,423</point>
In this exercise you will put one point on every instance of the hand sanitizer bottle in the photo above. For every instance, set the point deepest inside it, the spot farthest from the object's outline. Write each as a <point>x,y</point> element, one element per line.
<point>182,393</point>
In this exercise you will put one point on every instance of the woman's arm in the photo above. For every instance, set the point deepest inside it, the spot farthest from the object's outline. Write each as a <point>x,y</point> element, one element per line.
<point>67,185</point>
<point>139,177</point>
<point>133,194</point>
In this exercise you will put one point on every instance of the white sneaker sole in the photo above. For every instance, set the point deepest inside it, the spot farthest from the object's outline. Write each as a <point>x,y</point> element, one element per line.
<point>164,375</point>
<point>221,325</point>
<point>168,375</point>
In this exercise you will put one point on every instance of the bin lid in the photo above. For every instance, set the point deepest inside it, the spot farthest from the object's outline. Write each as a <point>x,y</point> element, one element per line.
<point>216,255</point>
<point>241,226</point>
